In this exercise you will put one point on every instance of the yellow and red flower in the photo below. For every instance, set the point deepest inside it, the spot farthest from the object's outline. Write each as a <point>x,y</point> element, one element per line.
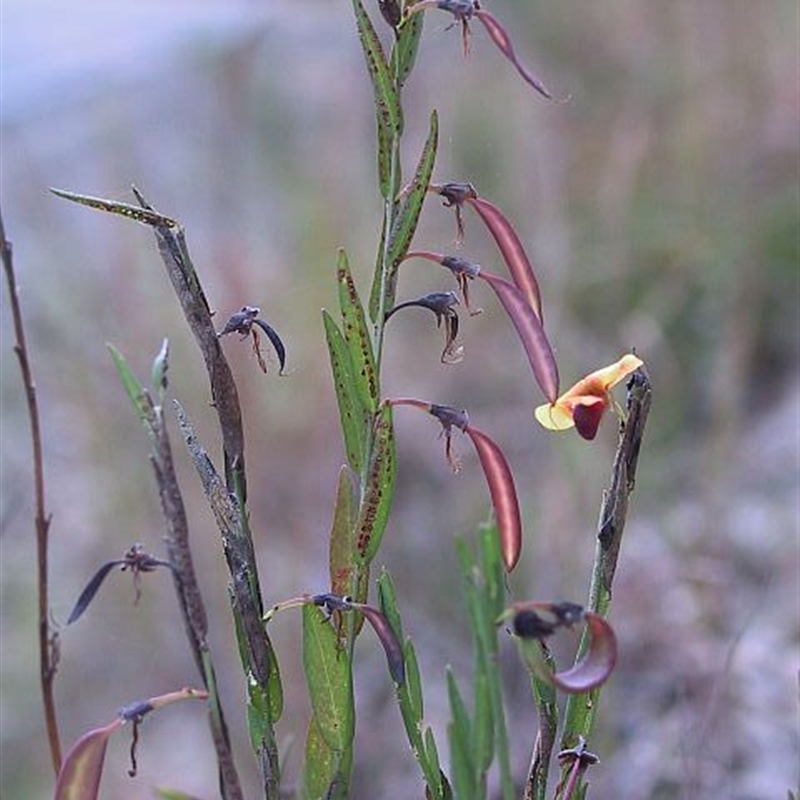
<point>583,406</point>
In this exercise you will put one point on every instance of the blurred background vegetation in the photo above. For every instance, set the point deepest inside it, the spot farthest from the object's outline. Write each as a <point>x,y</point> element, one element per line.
<point>660,207</point>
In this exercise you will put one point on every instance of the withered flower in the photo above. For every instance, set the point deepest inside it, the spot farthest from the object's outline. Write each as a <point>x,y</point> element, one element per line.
<point>242,323</point>
<point>442,304</point>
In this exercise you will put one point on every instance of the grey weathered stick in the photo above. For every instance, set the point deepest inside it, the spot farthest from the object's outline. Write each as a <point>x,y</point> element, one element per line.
<point>48,640</point>
<point>190,599</point>
<point>581,708</point>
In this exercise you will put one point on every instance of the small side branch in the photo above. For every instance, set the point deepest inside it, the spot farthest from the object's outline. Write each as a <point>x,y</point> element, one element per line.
<point>48,639</point>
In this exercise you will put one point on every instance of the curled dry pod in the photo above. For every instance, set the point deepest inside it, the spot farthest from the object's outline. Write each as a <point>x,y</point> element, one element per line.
<point>534,622</point>
<point>597,663</point>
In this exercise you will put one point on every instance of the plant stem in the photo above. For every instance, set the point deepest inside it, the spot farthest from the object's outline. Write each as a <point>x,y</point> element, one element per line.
<point>581,708</point>
<point>48,640</point>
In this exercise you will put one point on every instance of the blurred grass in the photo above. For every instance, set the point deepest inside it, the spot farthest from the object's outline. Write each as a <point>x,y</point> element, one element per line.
<point>660,206</point>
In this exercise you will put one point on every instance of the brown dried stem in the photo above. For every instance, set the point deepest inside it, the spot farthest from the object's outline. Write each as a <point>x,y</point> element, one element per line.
<point>48,639</point>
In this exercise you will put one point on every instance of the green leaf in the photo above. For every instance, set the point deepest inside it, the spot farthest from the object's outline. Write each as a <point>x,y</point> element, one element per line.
<point>266,702</point>
<point>483,726</point>
<point>356,334</point>
<point>388,111</point>
<point>434,773</point>
<point>378,491</point>
<point>405,224</point>
<point>404,53</point>
<point>329,679</point>
<point>138,395</point>
<point>323,776</point>
<point>492,569</point>
<point>460,768</point>
<point>458,710</point>
<point>387,602</point>
<point>346,571</point>
<point>350,411</point>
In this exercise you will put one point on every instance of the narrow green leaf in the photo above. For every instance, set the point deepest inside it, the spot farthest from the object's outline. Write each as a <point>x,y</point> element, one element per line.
<point>387,602</point>
<point>346,395</point>
<point>483,725</point>
<point>460,767</point>
<point>388,111</point>
<point>356,334</point>
<point>323,777</point>
<point>328,676</point>
<point>404,53</point>
<point>346,571</point>
<point>138,395</point>
<point>378,491</point>
<point>492,569</point>
<point>386,100</point>
<point>434,775</point>
<point>414,682</point>
<point>266,701</point>
<point>458,710</point>
<point>405,223</point>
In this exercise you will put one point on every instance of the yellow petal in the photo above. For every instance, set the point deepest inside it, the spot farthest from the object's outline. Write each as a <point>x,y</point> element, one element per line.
<point>556,417</point>
<point>613,374</point>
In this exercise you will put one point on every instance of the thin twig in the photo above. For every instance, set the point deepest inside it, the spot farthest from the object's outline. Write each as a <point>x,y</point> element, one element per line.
<point>48,639</point>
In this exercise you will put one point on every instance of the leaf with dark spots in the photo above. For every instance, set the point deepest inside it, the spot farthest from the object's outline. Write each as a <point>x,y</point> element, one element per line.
<point>531,333</point>
<point>346,574</point>
<point>388,110</point>
<point>356,334</point>
<point>503,493</point>
<point>378,490</point>
<point>384,284</point>
<point>404,53</point>
<point>144,215</point>
<point>351,410</point>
